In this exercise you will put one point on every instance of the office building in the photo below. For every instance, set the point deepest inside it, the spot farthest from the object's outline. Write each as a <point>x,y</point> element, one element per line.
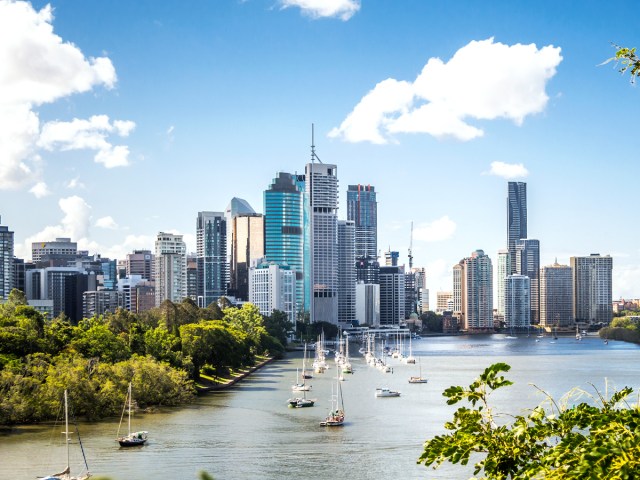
<point>392,290</point>
<point>284,227</point>
<point>247,246</point>
<point>423,301</point>
<point>170,268</point>
<point>444,302</point>
<point>211,251</point>
<point>62,285</point>
<point>237,206</point>
<point>273,287</point>
<point>192,277</point>
<point>527,262</point>
<point>516,218</point>
<point>346,272</point>
<point>140,262</point>
<point>556,296</point>
<point>100,302</point>
<point>7,281</point>
<point>592,288</point>
<point>54,253</point>
<point>517,312</point>
<point>477,301</point>
<point>362,209</point>
<point>321,184</point>
<point>368,304</point>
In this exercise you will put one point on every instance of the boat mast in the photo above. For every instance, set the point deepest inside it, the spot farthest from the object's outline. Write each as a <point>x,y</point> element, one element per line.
<point>66,426</point>
<point>129,408</point>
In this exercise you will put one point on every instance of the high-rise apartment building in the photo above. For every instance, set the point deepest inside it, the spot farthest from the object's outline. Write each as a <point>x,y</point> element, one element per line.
<point>346,272</point>
<point>516,218</point>
<point>247,246</point>
<point>170,268</point>
<point>6,262</point>
<point>273,287</point>
<point>392,292</point>
<point>458,291</point>
<point>211,251</point>
<point>140,262</point>
<point>527,262</point>
<point>321,183</point>
<point>556,296</point>
<point>362,209</point>
<point>592,288</point>
<point>192,277</point>
<point>517,312</point>
<point>284,228</point>
<point>504,269</point>
<point>477,302</point>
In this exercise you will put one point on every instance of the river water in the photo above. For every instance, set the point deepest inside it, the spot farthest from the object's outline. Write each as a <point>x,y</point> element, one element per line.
<point>248,432</point>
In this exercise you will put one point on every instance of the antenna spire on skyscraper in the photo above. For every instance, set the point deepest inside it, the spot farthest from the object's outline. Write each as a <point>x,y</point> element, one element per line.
<point>314,156</point>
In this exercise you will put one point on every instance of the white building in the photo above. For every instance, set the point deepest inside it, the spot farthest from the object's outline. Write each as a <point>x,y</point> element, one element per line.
<point>477,290</point>
<point>517,306</point>
<point>273,287</point>
<point>6,262</point>
<point>170,268</point>
<point>504,269</point>
<point>592,288</point>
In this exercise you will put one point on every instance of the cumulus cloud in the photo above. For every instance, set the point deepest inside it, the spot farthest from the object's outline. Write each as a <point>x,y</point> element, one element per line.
<point>436,231</point>
<point>38,68</point>
<point>107,222</point>
<point>40,190</point>
<point>342,9</point>
<point>508,81</point>
<point>508,170</point>
<point>74,183</point>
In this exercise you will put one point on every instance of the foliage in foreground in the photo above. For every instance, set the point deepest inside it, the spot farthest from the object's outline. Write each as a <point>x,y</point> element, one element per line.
<point>627,60</point>
<point>600,440</point>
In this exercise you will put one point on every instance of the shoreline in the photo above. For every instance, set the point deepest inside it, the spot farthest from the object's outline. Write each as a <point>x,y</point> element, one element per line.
<point>222,386</point>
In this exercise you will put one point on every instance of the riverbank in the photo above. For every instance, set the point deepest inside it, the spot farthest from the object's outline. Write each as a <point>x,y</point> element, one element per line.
<point>211,384</point>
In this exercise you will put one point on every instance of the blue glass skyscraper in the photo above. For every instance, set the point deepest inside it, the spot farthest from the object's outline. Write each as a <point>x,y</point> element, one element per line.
<point>213,269</point>
<point>284,228</point>
<point>362,209</point>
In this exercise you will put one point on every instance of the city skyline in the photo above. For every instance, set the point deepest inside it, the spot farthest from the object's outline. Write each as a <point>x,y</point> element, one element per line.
<point>227,90</point>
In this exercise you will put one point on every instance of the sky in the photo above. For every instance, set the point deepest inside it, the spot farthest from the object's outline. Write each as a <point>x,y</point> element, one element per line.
<point>122,119</point>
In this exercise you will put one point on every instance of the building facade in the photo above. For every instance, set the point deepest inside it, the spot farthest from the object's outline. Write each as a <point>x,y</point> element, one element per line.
<point>527,262</point>
<point>273,287</point>
<point>362,209</point>
<point>517,312</point>
<point>7,282</point>
<point>346,272</point>
<point>556,296</point>
<point>516,218</point>
<point>592,288</point>
<point>170,268</point>
<point>60,248</point>
<point>247,246</point>
<point>444,302</point>
<point>503,270</point>
<point>392,290</point>
<point>140,262</point>
<point>368,304</point>
<point>477,302</point>
<point>211,251</point>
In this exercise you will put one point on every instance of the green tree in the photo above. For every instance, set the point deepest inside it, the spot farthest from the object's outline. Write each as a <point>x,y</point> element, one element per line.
<point>95,339</point>
<point>246,319</point>
<point>277,325</point>
<point>627,60</point>
<point>432,322</point>
<point>597,440</point>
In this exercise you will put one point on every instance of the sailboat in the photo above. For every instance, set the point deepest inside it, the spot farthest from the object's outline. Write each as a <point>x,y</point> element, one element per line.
<point>300,387</point>
<point>305,374</point>
<point>132,439</point>
<point>578,335</point>
<point>419,378</point>
<point>410,359</point>
<point>66,473</point>
<point>336,414</point>
<point>301,402</point>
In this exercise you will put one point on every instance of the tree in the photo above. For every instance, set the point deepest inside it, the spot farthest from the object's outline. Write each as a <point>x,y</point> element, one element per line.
<point>277,325</point>
<point>627,59</point>
<point>600,440</point>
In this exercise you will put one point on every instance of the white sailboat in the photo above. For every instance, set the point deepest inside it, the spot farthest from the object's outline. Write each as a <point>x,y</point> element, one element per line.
<point>300,387</point>
<point>132,439</point>
<point>336,414</point>
<point>419,378</point>
<point>306,374</point>
<point>66,473</point>
<point>410,359</point>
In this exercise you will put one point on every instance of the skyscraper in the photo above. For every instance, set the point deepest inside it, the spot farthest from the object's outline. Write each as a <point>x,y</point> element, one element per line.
<point>140,262</point>
<point>517,313</point>
<point>321,183</point>
<point>504,269</point>
<point>477,301</point>
<point>346,272</point>
<point>211,251</point>
<point>170,268</point>
<point>273,287</point>
<point>516,218</point>
<point>592,288</point>
<point>392,292</point>
<point>527,262</point>
<point>6,262</point>
<point>247,245</point>
<point>556,296</point>
<point>284,224</point>
<point>362,209</point>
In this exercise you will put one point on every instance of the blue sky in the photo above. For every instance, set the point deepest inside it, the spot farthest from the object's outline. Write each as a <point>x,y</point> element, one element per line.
<point>121,119</point>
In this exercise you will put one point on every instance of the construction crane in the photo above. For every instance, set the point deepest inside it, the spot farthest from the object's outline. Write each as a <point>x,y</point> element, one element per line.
<point>410,246</point>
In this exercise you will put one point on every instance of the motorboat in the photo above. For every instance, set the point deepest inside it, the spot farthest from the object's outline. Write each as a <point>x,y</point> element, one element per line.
<point>386,392</point>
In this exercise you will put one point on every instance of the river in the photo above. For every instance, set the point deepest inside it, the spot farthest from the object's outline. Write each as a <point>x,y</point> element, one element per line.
<point>248,432</point>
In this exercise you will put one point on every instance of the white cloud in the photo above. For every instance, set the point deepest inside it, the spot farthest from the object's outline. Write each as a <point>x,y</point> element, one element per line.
<point>37,67</point>
<point>436,231</point>
<point>107,222</point>
<point>40,190</point>
<point>507,82</point>
<point>508,170</point>
<point>91,134</point>
<point>342,9</point>
<point>625,279</point>
<point>74,183</point>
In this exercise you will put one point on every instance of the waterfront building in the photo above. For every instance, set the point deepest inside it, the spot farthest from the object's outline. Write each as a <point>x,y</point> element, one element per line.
<point>592,288</point>
<point>444,301</point>
<point>58,251</point>
<point>170,268</point>
<point>477,301</point>
<point>368,304</point>
<point>504,269</point>
<point>284,228</point>
<point>423,301</point>
<point>458,292</point>
<point>415,282</point>
<point>392,291</point>
<point>346,272</point>
<point>211,251</point>
<point>556,296</point>
<point>273,287</point>
<point>321,184</point>
<point>140,262</point>
<point>247,246</point>
<point>516,218</point>
<point>517,312</point>
<point>527,262</point>
<point>7,282</point>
